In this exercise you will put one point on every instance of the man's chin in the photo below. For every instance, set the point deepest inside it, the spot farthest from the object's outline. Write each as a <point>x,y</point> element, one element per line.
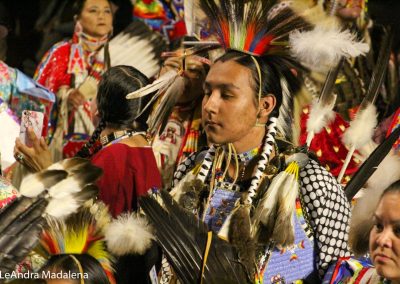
<point>215,140</point>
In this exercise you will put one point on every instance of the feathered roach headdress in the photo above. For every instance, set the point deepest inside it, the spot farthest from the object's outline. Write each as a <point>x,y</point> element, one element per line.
<point>81,233</point>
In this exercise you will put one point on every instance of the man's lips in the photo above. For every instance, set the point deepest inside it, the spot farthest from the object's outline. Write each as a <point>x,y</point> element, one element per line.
<point>211,123</point>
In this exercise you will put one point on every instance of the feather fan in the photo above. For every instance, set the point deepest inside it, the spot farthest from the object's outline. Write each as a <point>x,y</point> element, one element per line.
<point>137,46</point>
<point>183,238</point>
<point>22,220</point>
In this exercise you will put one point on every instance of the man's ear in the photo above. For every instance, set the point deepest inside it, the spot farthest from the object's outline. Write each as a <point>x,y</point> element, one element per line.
<point>266,106</point>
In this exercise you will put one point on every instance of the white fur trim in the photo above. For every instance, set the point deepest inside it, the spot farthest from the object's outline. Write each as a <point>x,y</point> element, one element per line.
<point>128,234</point>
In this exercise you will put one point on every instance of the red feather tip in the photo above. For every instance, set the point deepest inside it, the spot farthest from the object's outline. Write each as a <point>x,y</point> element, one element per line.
<point>225,32</point>
<point>251,30</point>
<point>263,45</point>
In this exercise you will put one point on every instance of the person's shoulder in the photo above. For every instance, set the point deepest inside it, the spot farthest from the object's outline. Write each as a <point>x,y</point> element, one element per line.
<point>58,49</point>
<point>61,45</point>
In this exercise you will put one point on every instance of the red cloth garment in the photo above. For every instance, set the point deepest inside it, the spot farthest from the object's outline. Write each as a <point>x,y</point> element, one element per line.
<point>129,172</point>
<point>328,145</point>
<point>52,70</point>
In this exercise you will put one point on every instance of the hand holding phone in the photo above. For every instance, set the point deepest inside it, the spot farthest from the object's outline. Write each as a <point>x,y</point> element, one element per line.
<point>31,119</point>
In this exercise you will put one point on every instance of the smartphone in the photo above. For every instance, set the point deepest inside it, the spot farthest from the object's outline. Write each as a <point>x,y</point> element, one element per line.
<point>34,120</point>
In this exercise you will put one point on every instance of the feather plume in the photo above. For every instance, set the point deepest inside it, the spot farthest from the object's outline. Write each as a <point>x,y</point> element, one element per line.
<point>276,209</point>
<point>19,235</point>
<point>157,120</point>
<point>35,184</point>
<point>159,84</point>
<point>320,116</point>
<point>267,209</point>
<point>65,203</point>
<point>323,47</point>
<point>129,234</point>
<point>387,172</point>
<point>321,112</point>
<point>361,128</point>
<point>283,232</point>
<point>183,238</point>
<point>359,134</point>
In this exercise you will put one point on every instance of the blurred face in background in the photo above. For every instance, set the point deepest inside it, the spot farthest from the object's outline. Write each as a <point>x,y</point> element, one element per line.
<point>96,18</point>
<point>194,74</point>
<point>384,240</point>
<point>349,9</point>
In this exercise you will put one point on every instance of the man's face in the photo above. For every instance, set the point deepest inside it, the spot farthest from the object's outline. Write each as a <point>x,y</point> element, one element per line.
<point>229,110</point>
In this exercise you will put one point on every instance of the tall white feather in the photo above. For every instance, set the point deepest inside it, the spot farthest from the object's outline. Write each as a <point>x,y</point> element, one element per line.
<point>359,133</point>
<point>322,47</point>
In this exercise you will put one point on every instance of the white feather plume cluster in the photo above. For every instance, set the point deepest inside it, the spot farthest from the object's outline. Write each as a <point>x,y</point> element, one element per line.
<point>320,116</point>
<point>361,128</point>
<point>129,234</point>
<point>322,47</point>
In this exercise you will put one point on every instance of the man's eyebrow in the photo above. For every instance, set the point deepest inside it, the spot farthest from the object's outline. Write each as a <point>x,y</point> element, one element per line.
<point>221,85</point>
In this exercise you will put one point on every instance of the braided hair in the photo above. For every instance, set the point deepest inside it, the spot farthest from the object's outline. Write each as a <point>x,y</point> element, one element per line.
<point>92,146</point>
<point>114,109</point>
